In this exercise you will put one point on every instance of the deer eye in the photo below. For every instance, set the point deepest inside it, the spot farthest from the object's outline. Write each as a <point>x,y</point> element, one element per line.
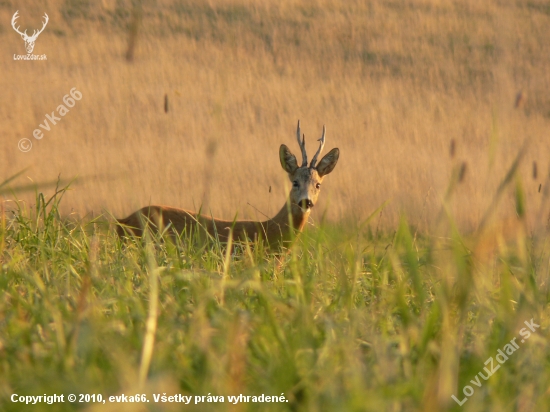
<point>295,184</point>
<point>318,186</point>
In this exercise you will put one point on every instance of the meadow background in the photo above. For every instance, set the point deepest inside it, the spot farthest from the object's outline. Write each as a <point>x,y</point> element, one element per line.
<point>394,81</point>
<point>440,109</point>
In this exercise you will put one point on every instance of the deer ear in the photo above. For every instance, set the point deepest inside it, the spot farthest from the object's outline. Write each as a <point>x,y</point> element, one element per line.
<point>328,162</point>
<point>288,160</point>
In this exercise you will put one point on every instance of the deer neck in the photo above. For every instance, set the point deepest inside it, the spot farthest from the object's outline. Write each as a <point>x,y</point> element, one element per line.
<point>297,219</point>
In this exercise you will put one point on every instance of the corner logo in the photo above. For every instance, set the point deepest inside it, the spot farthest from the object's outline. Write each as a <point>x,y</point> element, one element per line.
<point>29,40</point>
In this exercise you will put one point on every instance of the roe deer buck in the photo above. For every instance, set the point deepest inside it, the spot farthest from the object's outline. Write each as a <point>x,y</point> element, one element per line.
<point>306,184</point>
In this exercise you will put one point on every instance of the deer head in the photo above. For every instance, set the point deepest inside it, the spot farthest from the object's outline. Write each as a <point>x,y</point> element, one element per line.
<point>29,40</point>
<point>306,180</point>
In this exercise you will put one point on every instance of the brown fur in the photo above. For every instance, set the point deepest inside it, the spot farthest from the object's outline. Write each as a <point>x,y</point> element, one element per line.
<point>276,232</point>
<point>273,230</point>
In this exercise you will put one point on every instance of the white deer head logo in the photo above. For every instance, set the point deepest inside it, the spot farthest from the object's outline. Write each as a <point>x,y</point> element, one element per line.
<point>29,40</point>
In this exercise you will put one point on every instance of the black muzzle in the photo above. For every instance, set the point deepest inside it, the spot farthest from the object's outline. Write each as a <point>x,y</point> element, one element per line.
<point>306,204</point>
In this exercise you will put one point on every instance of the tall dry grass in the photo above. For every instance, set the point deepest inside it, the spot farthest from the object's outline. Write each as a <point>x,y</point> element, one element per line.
<point>395,83</point>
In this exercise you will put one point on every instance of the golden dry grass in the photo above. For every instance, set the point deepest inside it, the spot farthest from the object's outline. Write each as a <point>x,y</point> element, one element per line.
<point>394,81</point>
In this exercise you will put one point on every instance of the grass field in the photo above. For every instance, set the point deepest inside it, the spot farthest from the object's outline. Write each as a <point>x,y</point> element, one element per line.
<point>346,321</point>
<point>426,255</point>
<point>394,82</point>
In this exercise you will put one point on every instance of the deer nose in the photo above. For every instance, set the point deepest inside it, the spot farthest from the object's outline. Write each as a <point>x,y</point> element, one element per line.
<point>306,203</point>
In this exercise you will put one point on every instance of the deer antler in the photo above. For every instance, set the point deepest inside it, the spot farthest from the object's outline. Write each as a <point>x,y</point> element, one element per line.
<point>321,145</point>
<point>15,17</point>
<point>35,33</point>
<point>302,143</point>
